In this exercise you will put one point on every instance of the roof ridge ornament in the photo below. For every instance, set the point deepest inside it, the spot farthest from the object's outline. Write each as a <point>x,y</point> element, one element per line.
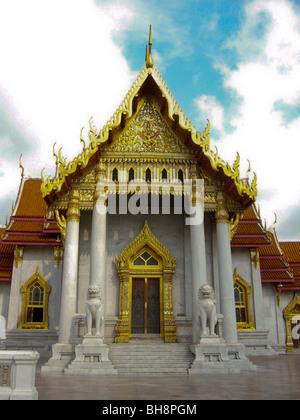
<point>21,166</point>
<point>148,58</point>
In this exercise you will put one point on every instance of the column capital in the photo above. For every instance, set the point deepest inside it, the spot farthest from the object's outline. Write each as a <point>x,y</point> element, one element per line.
<point>18,255</point>
<point>254,254</point>
<point>100,174</point>
<point>221,214</point>
<point>73,212</point>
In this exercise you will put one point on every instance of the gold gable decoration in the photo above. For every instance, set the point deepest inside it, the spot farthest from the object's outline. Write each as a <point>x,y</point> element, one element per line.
<point>147,133</point>
<point>149,75</point>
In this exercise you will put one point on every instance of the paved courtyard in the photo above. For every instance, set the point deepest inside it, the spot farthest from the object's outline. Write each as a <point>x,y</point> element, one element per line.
<point>277,377</point>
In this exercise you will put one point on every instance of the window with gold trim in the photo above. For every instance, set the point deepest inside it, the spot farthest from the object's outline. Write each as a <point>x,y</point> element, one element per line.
<point>242,293</point>
<point>35,294</point>
<point>180,175</point>
<point>164,174</point>
<point>145,259</point>
<point>115,175</point>
<point>148,175</point>
<point>131,175</point>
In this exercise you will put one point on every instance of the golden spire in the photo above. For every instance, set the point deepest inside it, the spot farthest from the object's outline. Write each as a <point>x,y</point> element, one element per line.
<point>148,58</point>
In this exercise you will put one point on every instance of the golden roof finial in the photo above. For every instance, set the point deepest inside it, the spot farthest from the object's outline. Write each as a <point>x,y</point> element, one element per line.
<point>21,166</point>
<point>148,58</point>
<point>248,171</point>
<point>56,160</point>
<point>275,221</point>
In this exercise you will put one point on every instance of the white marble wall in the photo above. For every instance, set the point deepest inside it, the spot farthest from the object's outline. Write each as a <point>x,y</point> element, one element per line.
<point>4,298</point>
<point>84,259</point>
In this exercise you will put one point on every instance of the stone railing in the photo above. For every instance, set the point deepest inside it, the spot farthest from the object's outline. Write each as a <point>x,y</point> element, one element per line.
<point>17,375</point>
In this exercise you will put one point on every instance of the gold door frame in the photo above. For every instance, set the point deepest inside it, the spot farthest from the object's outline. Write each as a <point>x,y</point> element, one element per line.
<point>165,269</point>
<point>292,310</point>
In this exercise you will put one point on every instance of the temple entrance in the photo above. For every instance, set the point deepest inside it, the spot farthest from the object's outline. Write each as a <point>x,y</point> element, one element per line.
<point>145,312</point>
<point>292,322</point>
<point>295,328</point>
<point>146,269</point>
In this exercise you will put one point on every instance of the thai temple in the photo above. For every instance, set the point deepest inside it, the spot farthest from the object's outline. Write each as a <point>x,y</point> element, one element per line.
<point>146,243</point>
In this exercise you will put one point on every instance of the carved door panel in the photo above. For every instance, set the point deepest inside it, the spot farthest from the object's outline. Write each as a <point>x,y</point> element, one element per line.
<point>138,306</point>
<point>153,306</point>
<point>145,310</point>
<point>295,328</point>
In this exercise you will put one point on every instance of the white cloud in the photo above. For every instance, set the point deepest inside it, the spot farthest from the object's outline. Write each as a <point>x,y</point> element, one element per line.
<point>58,63</point>
<point>268,74</point>
<point>210,109</point>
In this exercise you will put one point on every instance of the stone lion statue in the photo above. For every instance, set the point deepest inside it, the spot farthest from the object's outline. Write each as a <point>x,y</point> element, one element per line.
<point>93,310</point>
<point>207,304</point>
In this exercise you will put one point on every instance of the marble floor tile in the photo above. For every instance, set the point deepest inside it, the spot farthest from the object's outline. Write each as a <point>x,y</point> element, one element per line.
<point>277,377</point>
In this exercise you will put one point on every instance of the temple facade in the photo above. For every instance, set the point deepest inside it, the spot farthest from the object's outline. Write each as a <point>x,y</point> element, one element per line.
<point>126,235</point>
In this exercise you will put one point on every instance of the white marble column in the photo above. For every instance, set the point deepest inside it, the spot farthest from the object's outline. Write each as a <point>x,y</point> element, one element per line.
<point>15,299</point>
<point>70,269</point>
<point>199,276</point>
<point>98,237</point>
<point>227,302</point>
<point>257,290</point>
<point>198,254</point>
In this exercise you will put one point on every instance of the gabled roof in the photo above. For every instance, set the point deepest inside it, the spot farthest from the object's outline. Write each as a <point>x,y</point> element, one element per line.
<point>149,82</point>
<point>274,267</point>
<point>6,259</point>
<point>29,223</point>
<point>279,261</point>
<point>291,251</point>
<point>250,232</point>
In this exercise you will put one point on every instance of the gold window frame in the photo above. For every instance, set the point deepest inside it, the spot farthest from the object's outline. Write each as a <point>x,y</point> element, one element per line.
<point>292,310</point>
<point>248,324</point>
<point>23,324</point>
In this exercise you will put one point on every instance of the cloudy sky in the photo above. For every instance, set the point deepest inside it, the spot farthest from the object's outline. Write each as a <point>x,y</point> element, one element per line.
<point>235,62</point>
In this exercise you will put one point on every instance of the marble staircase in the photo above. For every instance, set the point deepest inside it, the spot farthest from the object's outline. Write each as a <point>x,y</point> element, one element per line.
<point>151,357</point>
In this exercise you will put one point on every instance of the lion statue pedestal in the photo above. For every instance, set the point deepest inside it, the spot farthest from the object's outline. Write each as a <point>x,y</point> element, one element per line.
<point>212,353</point>
<point>92,355</point>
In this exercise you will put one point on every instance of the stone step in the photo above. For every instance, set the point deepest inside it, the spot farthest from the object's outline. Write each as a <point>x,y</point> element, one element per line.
<point>141,361</point>
<point>151,358</point>
<point>158,356</point>
<point>149,351</point>
<point>146,338</point>
<point>154,348</point>
<point>132,372</point>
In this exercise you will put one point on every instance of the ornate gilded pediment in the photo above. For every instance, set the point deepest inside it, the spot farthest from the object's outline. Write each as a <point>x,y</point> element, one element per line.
<point>147,133</point>
<point>148,126</point>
